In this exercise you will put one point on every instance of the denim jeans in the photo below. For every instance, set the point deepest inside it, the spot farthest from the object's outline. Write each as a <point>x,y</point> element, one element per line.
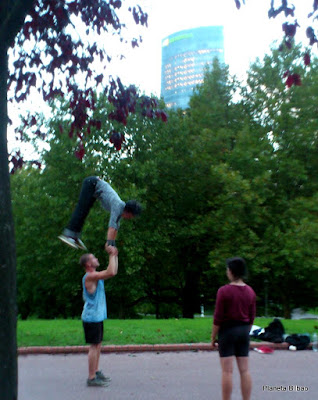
<point>85,203</point>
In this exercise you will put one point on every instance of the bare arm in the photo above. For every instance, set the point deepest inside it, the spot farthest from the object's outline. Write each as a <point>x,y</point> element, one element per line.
<point>111,237</point>
<point>112,250</point>
<point>111,233</point>
<point>111,270</point>
<point>215,331</point>
<point>108,273</point>
<point>217,317</point>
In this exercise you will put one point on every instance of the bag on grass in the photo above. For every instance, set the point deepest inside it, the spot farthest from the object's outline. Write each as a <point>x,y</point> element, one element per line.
<point>300,341</point>
<point>273,332</point>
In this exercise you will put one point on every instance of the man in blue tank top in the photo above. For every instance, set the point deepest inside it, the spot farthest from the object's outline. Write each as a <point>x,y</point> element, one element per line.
<point>95,310</point>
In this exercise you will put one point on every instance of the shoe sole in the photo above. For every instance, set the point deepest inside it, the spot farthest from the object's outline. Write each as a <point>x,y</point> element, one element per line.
<point>107,380</point>
<point>64,240</point>
<point>82,247</point>
<point>102,384</point>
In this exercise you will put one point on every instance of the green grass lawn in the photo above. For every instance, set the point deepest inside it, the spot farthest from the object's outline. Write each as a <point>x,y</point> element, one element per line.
<point>69,332</point>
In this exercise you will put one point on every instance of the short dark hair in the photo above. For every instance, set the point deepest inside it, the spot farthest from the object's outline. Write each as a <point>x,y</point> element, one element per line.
<point>237,266</point>
<point>133,207</point>
<point>84,259</point>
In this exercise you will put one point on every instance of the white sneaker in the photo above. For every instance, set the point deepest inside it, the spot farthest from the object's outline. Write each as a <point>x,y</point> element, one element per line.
<point>80,244</point>
<point>75,243</point>
<point>69,241</point>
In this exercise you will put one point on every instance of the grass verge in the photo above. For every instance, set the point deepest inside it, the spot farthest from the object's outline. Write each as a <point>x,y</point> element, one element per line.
<point>144,331</point>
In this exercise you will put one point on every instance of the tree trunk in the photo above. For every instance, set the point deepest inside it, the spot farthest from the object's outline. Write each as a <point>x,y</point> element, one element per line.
<point>8,307</point>
<point>286,306</point>
<point>190,295</point>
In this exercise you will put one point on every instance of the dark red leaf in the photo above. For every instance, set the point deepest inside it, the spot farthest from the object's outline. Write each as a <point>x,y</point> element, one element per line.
<point>117,139</point>
<point>99,78</point>
<point>40,134</point>
<point>80,152</point>
<point>290,29</point>
<point>115,3</point>
<point>37,163</point>
<point>311,35</point>
<point>288,44</point>
<point>293,79</point>
<point>135,15</point>
<point>289,82</point>
<point>16,161</point>
<point>164,116</point>
<point>32,80</point>
<point>310,32</point>
<point>289,11</point>
<point>307,59</point>
<point>134,43</point>
<point>297,79</point>
<point>238,4</point>
<point>19,84</point>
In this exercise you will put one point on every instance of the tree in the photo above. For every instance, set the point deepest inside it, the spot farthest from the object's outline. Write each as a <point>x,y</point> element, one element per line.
<point>12,15</point>
<point>8,367</point>
<point>288,116</point>
<point>46,24</point>
<point>269,184</point>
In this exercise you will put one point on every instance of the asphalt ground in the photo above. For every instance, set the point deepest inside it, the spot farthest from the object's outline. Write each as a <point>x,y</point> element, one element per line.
<point>185,375</point>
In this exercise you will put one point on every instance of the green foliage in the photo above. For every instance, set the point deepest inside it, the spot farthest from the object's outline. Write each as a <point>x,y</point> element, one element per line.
<point>290,191</point>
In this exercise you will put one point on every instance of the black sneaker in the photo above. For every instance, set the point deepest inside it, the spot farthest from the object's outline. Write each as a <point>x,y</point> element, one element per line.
<point>96,382</point>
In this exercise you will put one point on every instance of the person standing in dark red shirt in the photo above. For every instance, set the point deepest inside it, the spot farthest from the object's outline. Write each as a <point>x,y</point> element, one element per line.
<point>233,318</point>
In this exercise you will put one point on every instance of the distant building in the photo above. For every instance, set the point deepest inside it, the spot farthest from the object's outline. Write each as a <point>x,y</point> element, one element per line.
<point>184,56</point>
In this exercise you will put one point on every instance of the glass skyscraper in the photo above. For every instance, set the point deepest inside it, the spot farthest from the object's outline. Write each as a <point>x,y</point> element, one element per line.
<point>184,56</point>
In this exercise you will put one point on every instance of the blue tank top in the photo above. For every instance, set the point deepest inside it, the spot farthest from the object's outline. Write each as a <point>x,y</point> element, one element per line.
<point>95,309</point>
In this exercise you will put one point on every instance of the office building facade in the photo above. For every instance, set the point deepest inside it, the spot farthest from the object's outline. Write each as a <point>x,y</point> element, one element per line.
<point>184,56</point>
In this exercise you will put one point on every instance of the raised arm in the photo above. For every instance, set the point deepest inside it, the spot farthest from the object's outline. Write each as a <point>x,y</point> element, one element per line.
<point>113,253</point>
<point>107,273</point>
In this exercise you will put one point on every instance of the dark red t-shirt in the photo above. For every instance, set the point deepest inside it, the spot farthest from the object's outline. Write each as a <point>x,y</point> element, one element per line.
<point>235,304</point>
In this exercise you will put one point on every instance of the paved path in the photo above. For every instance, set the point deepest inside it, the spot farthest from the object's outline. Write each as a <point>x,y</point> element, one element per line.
<point>166,376</point>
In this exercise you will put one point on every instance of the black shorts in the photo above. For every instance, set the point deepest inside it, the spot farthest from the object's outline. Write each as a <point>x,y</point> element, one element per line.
<point>234,341</point>
<point>94,332</point>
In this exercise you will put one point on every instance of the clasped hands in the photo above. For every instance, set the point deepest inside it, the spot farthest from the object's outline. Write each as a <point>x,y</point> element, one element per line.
<point>111,250</point>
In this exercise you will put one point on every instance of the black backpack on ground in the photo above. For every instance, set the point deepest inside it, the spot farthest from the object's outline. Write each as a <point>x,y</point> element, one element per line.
<point>273,332</point>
